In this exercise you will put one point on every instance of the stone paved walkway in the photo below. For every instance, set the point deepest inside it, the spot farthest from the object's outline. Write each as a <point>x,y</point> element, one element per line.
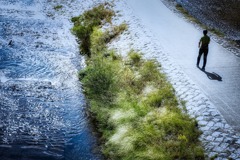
<point>218,138</point>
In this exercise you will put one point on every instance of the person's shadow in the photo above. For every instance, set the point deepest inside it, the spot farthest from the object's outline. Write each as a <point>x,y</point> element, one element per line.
<point>212,76</point>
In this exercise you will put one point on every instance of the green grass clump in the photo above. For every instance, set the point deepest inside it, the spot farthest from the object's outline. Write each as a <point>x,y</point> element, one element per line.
<point>99,80</point>
<point>84,24</point>
<point>162,97</point>
<point>99,39</point>
<point>58,7</point>
<point>180,8</point>
<point>134,106</point>
<point>134,57</point>
<point>150,71</point>
<point>114,32</point>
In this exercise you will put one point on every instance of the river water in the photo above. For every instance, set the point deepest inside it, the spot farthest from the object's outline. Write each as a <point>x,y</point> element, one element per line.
<point>42,108</point>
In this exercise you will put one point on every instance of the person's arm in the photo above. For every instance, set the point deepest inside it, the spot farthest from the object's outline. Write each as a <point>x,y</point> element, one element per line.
<point>199,44</point>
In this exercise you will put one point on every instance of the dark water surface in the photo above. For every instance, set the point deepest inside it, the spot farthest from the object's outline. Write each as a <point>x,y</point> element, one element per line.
<point>42,108</point>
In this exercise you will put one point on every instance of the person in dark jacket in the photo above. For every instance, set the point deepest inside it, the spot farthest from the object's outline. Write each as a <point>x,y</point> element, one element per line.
<point>203,49</point>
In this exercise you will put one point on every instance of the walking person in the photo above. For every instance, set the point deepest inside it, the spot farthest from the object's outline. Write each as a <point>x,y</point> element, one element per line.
<point>203,49</point>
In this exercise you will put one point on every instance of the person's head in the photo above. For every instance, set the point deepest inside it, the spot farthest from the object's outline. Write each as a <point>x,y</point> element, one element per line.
<point>205,32</point>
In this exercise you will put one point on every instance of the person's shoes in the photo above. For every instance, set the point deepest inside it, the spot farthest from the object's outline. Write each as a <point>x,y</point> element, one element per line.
<point>203,68</point>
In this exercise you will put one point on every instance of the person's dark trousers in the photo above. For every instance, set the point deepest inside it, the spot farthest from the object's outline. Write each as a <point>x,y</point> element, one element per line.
<point>201,51</point>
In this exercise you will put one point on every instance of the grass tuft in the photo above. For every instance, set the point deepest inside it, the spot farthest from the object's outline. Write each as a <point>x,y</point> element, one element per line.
<point>58,7</point>
<point>99,80</point>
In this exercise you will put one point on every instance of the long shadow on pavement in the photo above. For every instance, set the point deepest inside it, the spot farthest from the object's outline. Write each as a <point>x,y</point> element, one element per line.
<point>212,76</point>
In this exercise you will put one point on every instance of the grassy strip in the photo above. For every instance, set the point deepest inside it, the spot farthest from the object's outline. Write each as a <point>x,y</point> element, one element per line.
<point>134,105</point>
<point>191,18</point>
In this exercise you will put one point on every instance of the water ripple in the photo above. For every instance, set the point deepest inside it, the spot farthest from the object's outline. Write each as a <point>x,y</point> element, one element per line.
<point>42,108</point>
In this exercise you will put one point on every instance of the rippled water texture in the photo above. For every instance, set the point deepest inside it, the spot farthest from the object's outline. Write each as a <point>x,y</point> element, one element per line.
<point>41,104</point>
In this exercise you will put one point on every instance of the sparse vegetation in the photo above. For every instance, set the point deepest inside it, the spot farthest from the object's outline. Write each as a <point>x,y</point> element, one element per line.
<point>215,31</point>
<point>135,107</point>
<point>58,7</point>
<point>186,14</point>
<point>191,18</point>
